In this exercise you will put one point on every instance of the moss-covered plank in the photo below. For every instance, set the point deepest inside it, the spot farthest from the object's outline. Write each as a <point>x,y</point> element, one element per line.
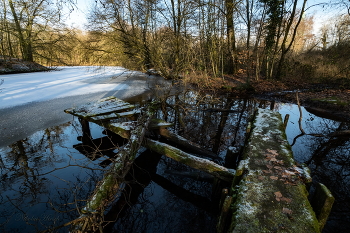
<point>102,107</point>
<point>271,195</point>
<point>123,129</point>
<point>111,183</point>
<point>322,203</point>
<point>185,144</point>
<point>190,160</point>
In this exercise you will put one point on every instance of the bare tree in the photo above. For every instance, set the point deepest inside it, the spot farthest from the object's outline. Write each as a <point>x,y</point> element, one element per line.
<point>25,21</point>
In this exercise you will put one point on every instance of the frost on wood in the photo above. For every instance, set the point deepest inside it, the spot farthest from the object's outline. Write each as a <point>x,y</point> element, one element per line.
<point>113,179</point>
<point>102,107</point>
<point>190,160</point>
<point>271,195</point>
<point>114,115</point>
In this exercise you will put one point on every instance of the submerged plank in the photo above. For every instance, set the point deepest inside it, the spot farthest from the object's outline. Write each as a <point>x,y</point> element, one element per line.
<point>102,107</point>
<point>270,195</point>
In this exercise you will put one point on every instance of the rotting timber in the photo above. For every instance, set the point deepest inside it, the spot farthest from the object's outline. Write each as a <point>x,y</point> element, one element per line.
<point>103,113</point>
<point>269,192</point>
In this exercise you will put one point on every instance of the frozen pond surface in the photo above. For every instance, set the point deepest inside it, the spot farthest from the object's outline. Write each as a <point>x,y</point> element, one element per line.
<point>45,177</point>
<point>35,101</point>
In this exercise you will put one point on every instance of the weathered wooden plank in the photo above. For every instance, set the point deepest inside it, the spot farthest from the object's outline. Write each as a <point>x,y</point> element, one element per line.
<point>185,144</point>
<point>113,116</point>
<point>113,179</point>
<point>270,195</point>
<point>101,107</point>
<point>190,160</point>
<point>322,202</point>
<point>123,128</point>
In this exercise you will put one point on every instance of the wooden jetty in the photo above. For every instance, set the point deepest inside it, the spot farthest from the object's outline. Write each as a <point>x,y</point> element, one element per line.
<point>268,193</point>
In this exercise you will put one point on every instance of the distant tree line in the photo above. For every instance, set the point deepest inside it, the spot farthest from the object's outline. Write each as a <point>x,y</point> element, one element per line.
<point>33,30</point>
<point>212,38</point>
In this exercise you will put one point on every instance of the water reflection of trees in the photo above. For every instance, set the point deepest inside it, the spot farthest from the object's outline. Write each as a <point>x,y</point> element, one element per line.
<point>217,123</point>
<point>329,160</point>
<point>213,123</point>
<point>174,203</point>
<point>30,184</point>
<point>160,195</point>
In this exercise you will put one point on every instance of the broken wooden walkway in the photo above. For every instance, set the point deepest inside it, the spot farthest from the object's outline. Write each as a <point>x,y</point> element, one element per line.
<point>105,112</point>
<point>268,192</point>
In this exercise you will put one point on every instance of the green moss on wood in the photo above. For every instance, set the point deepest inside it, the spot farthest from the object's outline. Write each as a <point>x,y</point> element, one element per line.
<point>190,160</point>
<point>322,203</point>
<point>102,194</point>
<point>270,196</point>
<point>332,100</point>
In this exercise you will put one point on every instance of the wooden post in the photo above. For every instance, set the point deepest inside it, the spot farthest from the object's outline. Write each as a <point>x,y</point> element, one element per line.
<point>322,203</point>
<point>285,121</point>
<point>86,138</point>
<point>222,223</point>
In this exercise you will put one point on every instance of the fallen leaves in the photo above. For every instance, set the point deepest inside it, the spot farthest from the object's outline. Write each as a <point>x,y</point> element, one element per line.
<point>277,170</point>
<point>280,197</point>
<point>287,211</point>
<point>272,152</point>
<point>285,199</point>
<point>271,156</point>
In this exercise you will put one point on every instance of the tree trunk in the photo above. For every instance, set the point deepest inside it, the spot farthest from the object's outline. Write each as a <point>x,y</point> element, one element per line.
<point>25,41</point>
<point>284,47</point>
<point>231,39</point>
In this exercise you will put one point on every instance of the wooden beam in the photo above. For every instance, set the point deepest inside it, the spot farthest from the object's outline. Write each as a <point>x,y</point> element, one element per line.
<point>190,160</point>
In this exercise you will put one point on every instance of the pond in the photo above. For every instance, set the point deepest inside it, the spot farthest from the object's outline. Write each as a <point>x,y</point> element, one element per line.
<point>47,177</point>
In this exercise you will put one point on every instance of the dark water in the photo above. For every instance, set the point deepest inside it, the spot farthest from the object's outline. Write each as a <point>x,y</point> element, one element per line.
<point>48,176</point>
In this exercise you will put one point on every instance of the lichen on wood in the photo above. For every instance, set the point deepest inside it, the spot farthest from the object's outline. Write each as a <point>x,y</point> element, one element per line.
<point>111,183</point>
<point>190,160</point>
<point>322,203</point>
<point>271,195</point>
<point>185,144</point>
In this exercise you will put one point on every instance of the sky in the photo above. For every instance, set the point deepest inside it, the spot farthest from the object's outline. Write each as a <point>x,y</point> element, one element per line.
<point>322,15</point>
<point>78,17</point>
